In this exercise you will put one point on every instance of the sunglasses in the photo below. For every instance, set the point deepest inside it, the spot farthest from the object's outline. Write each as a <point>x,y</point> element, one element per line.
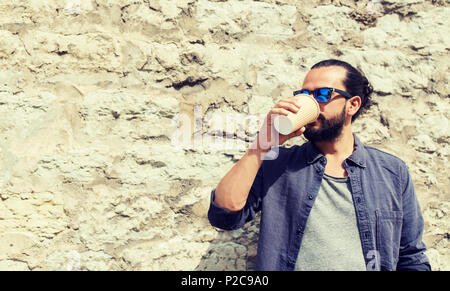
<point>323,95</point>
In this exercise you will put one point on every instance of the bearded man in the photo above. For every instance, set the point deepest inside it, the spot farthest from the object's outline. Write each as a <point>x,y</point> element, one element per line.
<point>332,203</point>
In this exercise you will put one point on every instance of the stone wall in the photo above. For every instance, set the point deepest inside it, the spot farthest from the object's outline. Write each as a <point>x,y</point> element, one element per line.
<point>95,93</point>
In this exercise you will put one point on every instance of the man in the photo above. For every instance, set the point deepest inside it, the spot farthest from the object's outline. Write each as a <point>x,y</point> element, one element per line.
<point>331,203</point>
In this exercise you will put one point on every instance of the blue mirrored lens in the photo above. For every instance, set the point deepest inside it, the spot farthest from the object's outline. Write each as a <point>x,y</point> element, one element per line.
<point>323,94</point>
<point>324,91</point>
<point>321,98</point>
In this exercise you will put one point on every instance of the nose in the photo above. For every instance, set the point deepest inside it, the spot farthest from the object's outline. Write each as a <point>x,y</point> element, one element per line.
<point>322,107</point>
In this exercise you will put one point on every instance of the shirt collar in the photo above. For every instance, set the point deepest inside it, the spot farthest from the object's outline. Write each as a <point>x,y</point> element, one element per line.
<point>358,157</point>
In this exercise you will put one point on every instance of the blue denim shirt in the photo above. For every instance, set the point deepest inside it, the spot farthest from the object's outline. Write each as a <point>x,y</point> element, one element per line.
<point>389,219</point>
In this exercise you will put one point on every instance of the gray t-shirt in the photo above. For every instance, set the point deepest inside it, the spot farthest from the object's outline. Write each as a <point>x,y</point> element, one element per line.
<point>331,240</point>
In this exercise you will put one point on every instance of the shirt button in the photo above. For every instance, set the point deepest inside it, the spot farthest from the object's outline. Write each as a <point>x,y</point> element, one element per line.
<point>310,197</point>
<point>351,170</point>
<point>361,163</point>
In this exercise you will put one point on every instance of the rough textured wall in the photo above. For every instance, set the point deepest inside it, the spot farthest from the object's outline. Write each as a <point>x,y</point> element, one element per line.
<point>93,94</point>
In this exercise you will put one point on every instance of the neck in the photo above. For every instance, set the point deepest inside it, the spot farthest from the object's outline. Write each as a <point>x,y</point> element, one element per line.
<point>342,147</point>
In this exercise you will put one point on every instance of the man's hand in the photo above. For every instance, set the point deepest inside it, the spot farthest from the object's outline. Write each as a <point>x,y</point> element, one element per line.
<point>267,135</point>
<point>232,191</point>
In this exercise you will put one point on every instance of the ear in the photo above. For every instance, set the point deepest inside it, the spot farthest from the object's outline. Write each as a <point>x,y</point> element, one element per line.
<point>353,105</point>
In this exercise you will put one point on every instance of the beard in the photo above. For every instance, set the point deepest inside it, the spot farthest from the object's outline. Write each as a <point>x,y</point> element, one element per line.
<point>329,130</point>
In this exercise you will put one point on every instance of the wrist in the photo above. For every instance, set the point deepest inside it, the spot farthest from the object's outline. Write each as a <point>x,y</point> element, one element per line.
<point>256,147</point>
<point>257,153</point>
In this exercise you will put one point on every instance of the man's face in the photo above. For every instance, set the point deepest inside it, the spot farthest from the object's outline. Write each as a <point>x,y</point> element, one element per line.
<point>328,126</point>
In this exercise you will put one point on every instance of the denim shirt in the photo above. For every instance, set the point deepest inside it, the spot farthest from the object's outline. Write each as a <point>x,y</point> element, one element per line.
<point>389,218</point>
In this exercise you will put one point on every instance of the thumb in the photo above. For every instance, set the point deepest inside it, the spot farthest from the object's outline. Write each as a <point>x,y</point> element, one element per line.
<point>298,132</point>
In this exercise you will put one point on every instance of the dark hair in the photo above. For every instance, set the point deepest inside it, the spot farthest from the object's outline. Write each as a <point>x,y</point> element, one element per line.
<point>355,83</point>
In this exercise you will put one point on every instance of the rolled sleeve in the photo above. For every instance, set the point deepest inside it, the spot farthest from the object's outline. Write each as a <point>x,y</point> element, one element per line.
<point>223,218</point>
<point>230,220</point>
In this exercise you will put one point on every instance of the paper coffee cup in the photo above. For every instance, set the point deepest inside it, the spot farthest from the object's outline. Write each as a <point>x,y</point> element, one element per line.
<point>308,112</point>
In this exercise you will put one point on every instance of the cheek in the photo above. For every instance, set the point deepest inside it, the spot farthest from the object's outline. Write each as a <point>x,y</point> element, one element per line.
<point>331,108</point>
<point>326,109</point>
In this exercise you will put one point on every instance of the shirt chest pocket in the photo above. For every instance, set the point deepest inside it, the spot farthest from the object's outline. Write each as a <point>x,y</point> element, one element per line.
<point>388,226</point>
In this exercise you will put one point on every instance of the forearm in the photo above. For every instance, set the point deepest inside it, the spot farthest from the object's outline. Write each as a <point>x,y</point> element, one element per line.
<point>232,191</point>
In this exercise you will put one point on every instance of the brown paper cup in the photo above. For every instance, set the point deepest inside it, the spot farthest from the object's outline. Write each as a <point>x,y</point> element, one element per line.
<point>308,112</point>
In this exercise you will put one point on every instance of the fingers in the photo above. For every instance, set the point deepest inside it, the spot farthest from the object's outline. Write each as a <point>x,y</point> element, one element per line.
<point>298,132</point>
<point>286,105</point>
<point>294,100</point>
<point>291,106</point>
<point>281,111</point>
